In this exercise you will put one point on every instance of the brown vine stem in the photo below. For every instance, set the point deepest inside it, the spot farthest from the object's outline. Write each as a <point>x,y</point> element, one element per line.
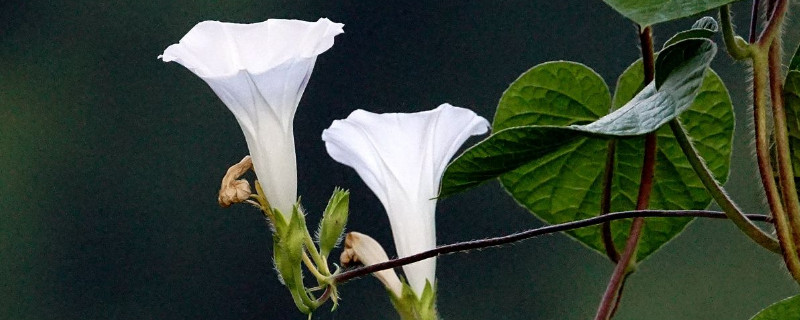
<point>605,201</point>
<point>771,6</point>
<point>781,219</point>
<point>761,73</point>
<point>627,260</point>
<point>785,170</point>
<point>754,20</point>
<point>772,30</point>
<point>343,277</point>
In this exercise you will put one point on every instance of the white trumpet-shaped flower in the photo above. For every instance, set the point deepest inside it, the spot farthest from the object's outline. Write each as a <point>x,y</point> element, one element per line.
<point>260,71</point>
<point>401,157</point>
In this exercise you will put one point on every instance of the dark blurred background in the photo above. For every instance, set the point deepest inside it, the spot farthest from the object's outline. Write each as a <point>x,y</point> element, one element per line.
<point>110,161</point>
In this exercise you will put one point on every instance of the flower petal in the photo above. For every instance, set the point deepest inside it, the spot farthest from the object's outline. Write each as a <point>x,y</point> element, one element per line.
<point>260,72</point>
<point>214,48</point>
<point>402,157</point>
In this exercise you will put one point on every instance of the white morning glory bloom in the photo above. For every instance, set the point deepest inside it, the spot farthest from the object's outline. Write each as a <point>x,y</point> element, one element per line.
<point>401,157</point>
<point>260,71</point>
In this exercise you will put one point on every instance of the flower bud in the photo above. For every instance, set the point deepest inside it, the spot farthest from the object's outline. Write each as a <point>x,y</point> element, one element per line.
<point>232,190</point>
<point>331,227</point>
<point>361,248</point>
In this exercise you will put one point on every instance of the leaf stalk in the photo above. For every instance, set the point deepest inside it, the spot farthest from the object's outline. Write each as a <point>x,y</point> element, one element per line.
<point>728,206</point>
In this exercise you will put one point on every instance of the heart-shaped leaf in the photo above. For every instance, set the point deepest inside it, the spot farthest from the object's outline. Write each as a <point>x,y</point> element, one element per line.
<point>515,144</point>
<point>558,165</point>
<point>709,123</point>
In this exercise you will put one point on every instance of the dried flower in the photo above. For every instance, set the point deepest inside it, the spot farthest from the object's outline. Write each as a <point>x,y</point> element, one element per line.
<point>232,190</point>
<point>361,248</point>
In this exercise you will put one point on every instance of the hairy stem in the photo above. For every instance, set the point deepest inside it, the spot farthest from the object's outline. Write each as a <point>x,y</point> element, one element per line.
<point>736,46</point>
<point>785,170</point>
<point>772,30</point>
<point>318,259</point>
<point>605,201</point>
<point>312,268</point>
<point>532,233</point>
<point>771,6</point>
<point>781,219</point>
<point>754,20</point>
<point>728,206</point>
<point>627,260</point>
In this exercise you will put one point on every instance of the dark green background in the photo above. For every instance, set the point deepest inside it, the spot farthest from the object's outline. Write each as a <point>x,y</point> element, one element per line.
<point>110,161</point>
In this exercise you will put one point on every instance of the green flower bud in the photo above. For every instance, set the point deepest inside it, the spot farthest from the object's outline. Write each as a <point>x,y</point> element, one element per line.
<point>331,227</point>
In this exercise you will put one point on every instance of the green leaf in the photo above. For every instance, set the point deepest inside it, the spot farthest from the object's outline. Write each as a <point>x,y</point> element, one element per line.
<point>673,60</point>
<point>709,123</point>
<point>791,97</point>
<point>706,27</point>
<point>795,64</point>
<point>508,149</point>
<point>707,23</point>
<point>573,191</point>
<point>785,309</point>
<point>559,169</point>
<point>331,226</point>
<point>542,95</point>
<point>681,68</point>
<point>649,12</point>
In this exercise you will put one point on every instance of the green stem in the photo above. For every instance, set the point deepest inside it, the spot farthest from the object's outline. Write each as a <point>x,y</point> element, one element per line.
<point>313,269</point>
<point>318,260</point>
<point>737,47</point>
<point>728,206</point>
<point>781,219</point>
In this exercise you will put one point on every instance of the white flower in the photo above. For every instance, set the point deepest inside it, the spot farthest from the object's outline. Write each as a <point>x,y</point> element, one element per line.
<point>401,157</point>
<point>260,71</point>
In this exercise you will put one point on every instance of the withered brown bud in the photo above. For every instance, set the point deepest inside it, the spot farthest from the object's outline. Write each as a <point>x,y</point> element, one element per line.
<point>232,190</point>
<point>361,248</point>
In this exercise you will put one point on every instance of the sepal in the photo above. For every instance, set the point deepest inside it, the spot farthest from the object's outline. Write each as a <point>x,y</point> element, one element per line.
<point>412,307</point>
<point>288,254</point>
